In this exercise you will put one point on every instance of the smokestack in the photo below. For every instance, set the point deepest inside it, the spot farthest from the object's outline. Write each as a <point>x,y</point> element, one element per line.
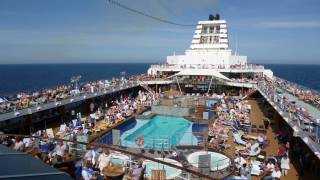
<point>211,17</point>
<point>217,17</point>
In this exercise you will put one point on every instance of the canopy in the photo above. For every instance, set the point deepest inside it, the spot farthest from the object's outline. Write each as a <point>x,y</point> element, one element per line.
<point>17,165</point>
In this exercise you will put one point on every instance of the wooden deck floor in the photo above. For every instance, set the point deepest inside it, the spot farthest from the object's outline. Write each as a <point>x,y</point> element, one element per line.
<point>256,117</point>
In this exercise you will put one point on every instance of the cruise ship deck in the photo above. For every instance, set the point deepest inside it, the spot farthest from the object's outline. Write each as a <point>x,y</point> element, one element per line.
<point>206,114</point>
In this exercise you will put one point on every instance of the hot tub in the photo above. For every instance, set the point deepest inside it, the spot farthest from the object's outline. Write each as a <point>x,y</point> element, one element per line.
<point>218,161</point>
<point>171,172</point>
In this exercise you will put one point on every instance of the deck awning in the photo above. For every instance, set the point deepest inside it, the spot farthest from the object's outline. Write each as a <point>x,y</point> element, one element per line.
<point>18,165</point>
<point>202,72</point>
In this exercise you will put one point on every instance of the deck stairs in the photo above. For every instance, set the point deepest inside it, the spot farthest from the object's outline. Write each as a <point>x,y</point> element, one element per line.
<point>249,93</point>
<point>200,109</point>
<point>146,87</point>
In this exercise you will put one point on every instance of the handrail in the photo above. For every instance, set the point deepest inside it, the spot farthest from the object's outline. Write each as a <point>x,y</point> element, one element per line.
<point>209,66</point>
<point>145,86</point>
<point>285,102</point>
<point>118,150</point>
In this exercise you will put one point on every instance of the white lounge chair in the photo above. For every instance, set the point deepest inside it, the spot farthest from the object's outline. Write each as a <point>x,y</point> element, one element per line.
<point>63,128</point>
<point>254,150</point>
<point>256,168</point>
<point>238,139</point>
<point>50,133</point>
<point>74,122</point>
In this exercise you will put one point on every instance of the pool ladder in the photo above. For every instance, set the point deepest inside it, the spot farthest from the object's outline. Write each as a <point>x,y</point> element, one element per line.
<point>162,144</point>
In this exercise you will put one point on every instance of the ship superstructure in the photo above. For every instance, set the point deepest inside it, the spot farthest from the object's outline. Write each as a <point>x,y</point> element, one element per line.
<point>209,54</point>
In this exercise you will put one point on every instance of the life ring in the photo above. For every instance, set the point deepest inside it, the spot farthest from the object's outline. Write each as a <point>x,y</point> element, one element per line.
<point>139,141</point>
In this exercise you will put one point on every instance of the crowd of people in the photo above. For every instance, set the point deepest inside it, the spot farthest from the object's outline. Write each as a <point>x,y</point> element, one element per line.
<point>309,96</point>
<point>250,150</point>
<point>25,100</point>
<point>273,167</point>
<point>88,164</point>
<point>296,112</point>
<point>92,160</point>
<point>101,119</point>
<point>232,113</point>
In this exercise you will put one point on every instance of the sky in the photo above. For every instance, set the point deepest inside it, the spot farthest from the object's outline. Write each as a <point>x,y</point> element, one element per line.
<point>85,31</point>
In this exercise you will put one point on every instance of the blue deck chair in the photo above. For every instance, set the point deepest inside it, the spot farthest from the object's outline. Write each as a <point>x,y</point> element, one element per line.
<point>238,139</point>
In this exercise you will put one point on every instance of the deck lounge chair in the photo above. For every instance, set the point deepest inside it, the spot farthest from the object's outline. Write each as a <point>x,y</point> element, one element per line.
<point>238,139</point>
<point>261,129</point>
<point>243,125</point>
<point>228,123</point>
<point>238,127</point>
<point>254,128</point>
<point>262,156</point>
<point>254,150</point>
<point>50,133</point>
<point>256,168</point>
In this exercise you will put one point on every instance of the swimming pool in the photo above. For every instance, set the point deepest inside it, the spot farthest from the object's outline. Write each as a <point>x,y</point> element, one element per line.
<point>159,132</point>
<point>218,161</point>
<point>171,172</point>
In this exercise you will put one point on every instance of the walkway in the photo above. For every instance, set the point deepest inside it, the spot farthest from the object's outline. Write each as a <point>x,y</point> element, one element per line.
<point>50,105</point>
<point>256,117</point>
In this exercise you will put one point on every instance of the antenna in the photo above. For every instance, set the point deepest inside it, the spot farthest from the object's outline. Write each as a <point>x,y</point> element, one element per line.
<point>123,6</point>
<point>236,52</point>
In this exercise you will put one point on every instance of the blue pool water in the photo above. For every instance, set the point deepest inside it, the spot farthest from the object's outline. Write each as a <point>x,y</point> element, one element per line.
<point>159,132</point>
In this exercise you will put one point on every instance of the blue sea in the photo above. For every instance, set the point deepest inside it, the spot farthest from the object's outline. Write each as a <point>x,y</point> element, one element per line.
<point>306,75</point>
<point>27,78</point>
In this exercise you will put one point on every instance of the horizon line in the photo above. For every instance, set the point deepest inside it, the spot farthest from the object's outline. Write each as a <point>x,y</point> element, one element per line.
<point>141,62</point>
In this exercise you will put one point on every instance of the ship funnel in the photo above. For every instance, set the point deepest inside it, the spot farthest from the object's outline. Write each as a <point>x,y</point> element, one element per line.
<point>217,17</point>
<point>212,17</point>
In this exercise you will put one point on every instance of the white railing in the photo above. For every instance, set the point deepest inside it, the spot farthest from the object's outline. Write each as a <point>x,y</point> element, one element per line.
<point>208,66</point>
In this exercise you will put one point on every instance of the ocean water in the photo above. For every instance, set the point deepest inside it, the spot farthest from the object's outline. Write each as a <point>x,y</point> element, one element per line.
<point>27,78</point>
<point>306,75</point>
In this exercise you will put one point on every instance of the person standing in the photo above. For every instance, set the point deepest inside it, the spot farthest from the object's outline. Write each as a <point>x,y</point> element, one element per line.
<point>104,160</point>
<point>249,170</point>
<point>242,171</point>
<point>276,174</point>
<point>285,165</point>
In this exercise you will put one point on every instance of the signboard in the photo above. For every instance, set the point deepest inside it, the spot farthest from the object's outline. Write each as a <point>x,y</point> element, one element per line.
<point>318,133</point>
<point>116,137</point>
<point>204,163</point>
<point>205,115</point>
<point>83,138</point>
